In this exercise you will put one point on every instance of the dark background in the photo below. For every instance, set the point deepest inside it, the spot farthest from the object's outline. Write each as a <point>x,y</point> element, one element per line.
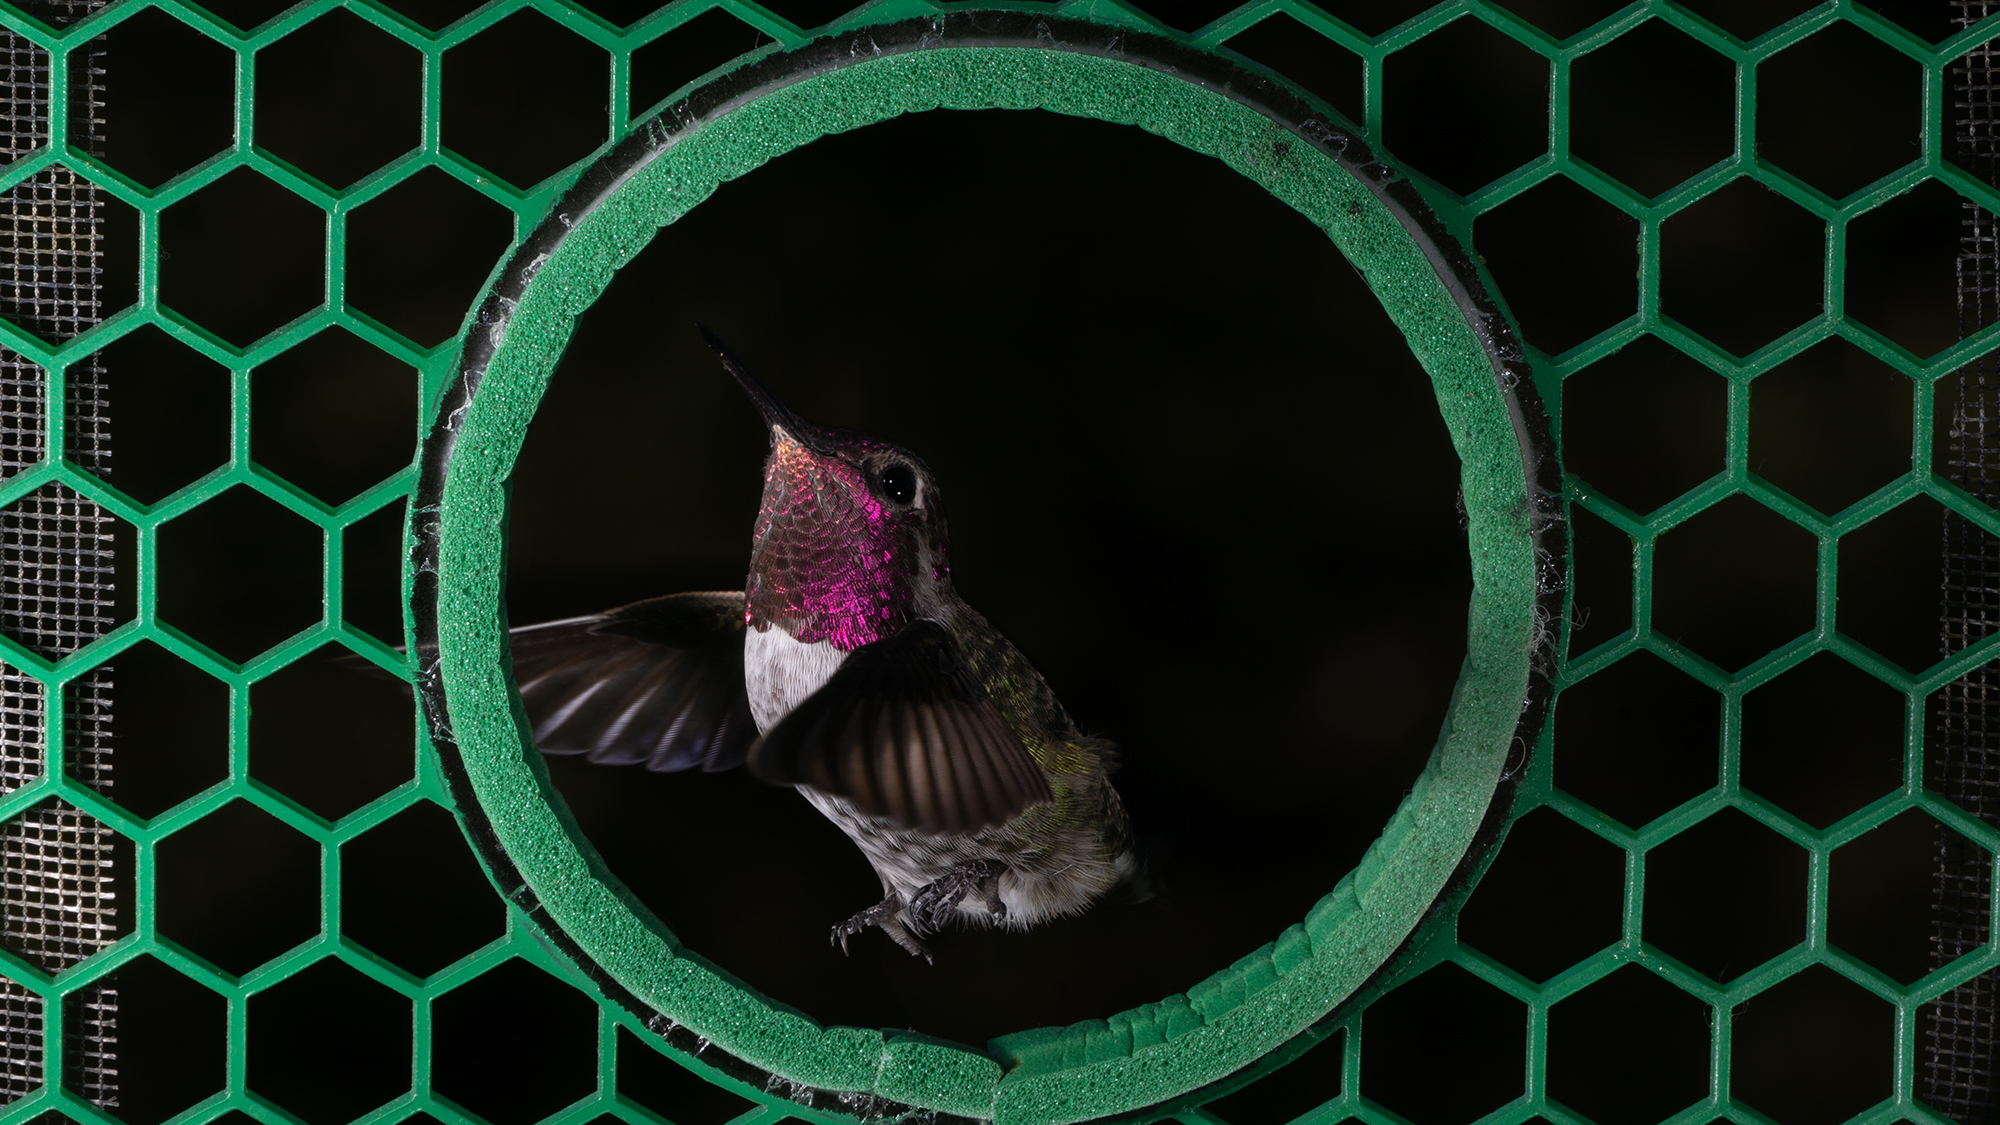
<point>1191,470</point>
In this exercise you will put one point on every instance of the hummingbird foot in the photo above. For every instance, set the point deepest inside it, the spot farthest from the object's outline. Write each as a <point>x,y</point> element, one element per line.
<point>886,916</point>
<point>934,905</point>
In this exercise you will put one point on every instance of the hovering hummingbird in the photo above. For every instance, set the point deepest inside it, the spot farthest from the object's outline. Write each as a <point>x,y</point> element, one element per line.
<point>850,668</point>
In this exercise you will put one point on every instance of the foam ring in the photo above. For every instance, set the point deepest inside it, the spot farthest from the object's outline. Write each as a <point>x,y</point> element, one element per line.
<point>1160,1055</point>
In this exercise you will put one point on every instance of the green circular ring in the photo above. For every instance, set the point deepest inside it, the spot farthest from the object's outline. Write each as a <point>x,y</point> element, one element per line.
<point>1132,1059</point>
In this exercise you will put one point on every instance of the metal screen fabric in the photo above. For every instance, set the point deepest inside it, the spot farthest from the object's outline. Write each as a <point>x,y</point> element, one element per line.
<point>1962,1050</point>
<point>57,905</point>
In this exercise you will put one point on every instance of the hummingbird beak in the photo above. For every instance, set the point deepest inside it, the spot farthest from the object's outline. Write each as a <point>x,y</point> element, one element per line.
<point>776,415</point>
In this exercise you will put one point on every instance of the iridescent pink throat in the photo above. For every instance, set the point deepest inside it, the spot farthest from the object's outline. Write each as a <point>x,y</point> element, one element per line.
<point>829,561</point>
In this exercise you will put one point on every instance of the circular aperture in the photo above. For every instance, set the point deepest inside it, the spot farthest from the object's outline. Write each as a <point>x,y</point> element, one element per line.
<point>1143,1055</point>
<point>1268,622</point>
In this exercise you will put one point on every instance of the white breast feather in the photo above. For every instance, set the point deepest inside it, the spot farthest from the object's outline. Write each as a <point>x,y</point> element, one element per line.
<point>779,672</point>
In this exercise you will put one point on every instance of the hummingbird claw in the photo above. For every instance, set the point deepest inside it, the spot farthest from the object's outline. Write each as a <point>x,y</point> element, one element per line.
<point>936,903</point>
<point>886,916</point>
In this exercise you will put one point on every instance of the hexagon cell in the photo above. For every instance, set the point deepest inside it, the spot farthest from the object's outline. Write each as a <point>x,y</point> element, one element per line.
<point>173,1040</point>
<point>1566,259</point>
<point>417,254</point>
<point>1831,425</point>
<point>1880,891</point>
<point>329,736</point>
<point>1551,898</point>
<point>1725,896</point>
<point>339,98</point>
<point>514,1044</point>
<point>1446,1012</point>
<point>1822,740</point>
<point>1735,582</point>
<point>1812,1049</point>
<point>333,415</point>
<point>1630,1049</point>
<point>47,525</point>
<point>1637,739</point>
<point>520,132</point>
<point>328,1044</point>
<point>419,918</point>
<point>238,887</point>
<point>1648,423</point>
<point>242,288</point>
<point>173,720</point>
<point>1652,107</point>
<point>1891,598</point>
<point>239,548</point>
<point>172,409</point>
<point>58,206</point>
<point>1467,104</point>
<point>1902,270</point>
<point>1742,266</point>
<point>1839,109</point>
<point>166,103</point>
<point>91,863</point>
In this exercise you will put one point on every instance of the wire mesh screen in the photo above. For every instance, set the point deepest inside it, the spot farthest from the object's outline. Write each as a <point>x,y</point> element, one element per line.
<point>57,903</point>
<point>1962,1051</point>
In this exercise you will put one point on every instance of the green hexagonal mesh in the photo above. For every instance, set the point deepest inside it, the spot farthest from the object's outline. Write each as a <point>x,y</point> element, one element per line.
<point>1676,929</point>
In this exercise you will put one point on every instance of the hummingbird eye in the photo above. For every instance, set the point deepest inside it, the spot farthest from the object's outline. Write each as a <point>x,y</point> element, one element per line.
<point>899,483</point>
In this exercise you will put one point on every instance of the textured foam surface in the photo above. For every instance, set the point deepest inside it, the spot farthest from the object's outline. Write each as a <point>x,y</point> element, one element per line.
<point>1129,1059</point>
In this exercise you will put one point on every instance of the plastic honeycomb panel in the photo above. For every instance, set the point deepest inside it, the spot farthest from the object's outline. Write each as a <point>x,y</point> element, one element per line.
<point>1741,583</point>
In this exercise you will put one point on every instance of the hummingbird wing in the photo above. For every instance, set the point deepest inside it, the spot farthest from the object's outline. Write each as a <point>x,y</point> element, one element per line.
<point>905,730</point>
<point>658,682</point>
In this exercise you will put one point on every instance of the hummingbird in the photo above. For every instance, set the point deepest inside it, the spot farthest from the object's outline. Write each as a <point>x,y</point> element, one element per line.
<point>850,668</point>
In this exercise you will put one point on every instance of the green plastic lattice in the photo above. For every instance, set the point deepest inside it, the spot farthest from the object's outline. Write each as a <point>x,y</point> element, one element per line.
<point>1656,844</point>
